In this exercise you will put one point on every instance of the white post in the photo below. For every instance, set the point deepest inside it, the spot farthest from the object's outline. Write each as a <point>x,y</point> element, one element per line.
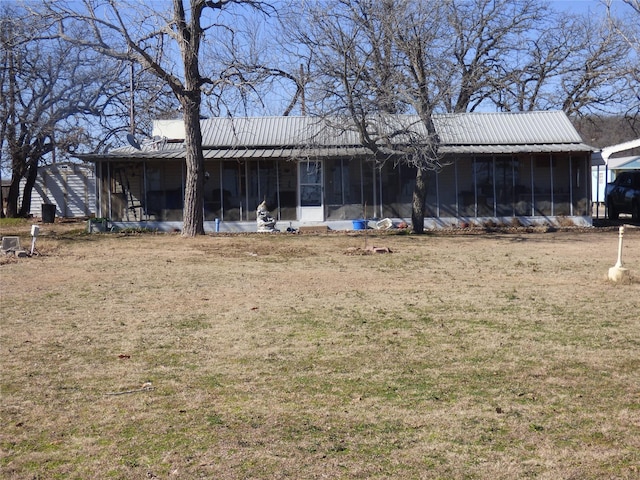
<point>35,229</point>
<point>618,272</point>
<point>619,262</point>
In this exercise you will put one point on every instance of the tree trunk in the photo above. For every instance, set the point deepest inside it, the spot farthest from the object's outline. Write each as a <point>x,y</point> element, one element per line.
<point>32,175</point>
<point>12,196</point>
<point>419,199</point>
<point>192,216</point>
<point>2,202</point>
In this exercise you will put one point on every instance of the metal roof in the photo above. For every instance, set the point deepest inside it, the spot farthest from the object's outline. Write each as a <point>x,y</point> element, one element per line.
<point>521,128</point>
<point>624,163</point>
<point>516,148</point>
<point>274,132</point>
<point>289,137</point>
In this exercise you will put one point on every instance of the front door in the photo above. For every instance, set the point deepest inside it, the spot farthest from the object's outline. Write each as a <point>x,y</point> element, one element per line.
<point>311,206</point>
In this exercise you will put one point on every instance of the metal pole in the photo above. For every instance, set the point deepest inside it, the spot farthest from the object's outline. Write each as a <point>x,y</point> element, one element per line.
<point>132,108</point>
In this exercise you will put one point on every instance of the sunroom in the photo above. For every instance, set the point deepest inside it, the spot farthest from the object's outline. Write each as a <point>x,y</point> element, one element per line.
<point>494,167</point>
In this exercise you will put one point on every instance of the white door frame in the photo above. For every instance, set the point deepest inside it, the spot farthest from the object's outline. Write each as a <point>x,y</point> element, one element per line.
<point>311,191</point>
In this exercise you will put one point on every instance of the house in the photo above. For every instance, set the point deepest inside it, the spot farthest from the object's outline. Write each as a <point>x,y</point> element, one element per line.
<point>494,167</point>
<point>71,187</point>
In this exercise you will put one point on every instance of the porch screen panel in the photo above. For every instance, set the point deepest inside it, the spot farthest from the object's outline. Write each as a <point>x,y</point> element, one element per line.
<point>353,189</point>
<point>263,184</point>
<point>506,178</point>
<point>336,181</point>
<point>448,190</point>
<point>165,198</point>
<point>213,197</point>
<point>397,190</point>
<point>561,185</point>
<point>431,203</point>
<point>522,191</point>
<point>466,187</point>
<point>542,185</point>
<point>233,190</point>
<point>287,196</point>
<point>485,194</point>
<point>369,189</point>
<point>580,187</point>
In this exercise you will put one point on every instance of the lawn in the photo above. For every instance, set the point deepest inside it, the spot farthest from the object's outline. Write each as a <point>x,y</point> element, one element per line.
<point>480,356</point>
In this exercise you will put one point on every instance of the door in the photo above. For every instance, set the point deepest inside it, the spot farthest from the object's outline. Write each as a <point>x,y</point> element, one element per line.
<point>311,207</point>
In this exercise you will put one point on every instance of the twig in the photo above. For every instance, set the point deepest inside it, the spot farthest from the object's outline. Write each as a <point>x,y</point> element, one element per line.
<point>366,225</point>
<point>143,389</point>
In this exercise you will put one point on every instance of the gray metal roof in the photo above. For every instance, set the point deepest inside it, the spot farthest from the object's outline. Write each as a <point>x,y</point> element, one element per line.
<point>288,137</point>
<point>516,148</point>
<point>522,128</point>
<point>274,132</point>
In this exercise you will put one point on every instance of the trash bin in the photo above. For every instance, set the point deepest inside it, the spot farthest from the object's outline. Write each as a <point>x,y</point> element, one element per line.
<point>48,212</point>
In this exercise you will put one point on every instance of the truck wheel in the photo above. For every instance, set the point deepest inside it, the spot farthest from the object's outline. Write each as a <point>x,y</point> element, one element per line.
<point>612,213</point>
<point>635,211</point>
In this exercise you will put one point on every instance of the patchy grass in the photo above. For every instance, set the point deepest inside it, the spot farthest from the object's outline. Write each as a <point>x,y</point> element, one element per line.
<point>273,356</point>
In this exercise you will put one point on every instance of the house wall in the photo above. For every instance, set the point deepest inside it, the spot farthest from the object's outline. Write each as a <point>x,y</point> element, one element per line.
<point>71,187</point>
<point>483,186</point>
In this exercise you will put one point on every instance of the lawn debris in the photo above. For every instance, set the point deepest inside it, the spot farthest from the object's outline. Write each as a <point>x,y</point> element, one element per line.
<point>367,250</point>
<point>11,246</point>
<point>146,387</point>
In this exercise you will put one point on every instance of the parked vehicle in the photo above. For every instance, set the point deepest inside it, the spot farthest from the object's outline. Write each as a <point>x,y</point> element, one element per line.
<point>623,195</point>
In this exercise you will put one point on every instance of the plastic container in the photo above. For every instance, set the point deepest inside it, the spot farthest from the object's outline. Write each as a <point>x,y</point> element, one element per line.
<point>359,224</point>
<point>384,224</point>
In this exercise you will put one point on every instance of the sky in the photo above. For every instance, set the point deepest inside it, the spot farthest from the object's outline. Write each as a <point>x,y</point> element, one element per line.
<point>582,6</point>
<point>598,7</point>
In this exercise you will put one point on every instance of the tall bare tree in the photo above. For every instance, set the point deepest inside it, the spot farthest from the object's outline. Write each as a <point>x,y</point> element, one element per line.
<point>629,30</point>
<point>370,59</point>
<point>576,64</point>
<point>373,59</point>
<point>49,89</point>
<point>487,37</point>
<point>166,42</point>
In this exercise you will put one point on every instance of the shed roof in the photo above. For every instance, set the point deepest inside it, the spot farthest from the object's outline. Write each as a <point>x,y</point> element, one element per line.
<point>274,137</point>
<point>625,163</point>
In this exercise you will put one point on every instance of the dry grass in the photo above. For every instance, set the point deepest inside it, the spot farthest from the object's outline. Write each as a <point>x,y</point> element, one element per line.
<point>275,356</point>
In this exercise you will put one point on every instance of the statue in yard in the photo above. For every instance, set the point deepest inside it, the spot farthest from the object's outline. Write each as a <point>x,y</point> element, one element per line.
<point>266,223</point>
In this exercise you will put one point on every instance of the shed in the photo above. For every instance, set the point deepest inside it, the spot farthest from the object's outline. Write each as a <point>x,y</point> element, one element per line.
<point>70,186</point>
<point>604,167</point>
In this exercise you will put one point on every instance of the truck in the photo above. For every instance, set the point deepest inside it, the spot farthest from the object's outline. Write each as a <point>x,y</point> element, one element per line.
<point>623,195</point>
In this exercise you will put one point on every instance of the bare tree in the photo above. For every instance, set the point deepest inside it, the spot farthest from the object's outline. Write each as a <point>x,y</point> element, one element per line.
<point>155,39</point>
<point>487,37</point>
<point>629,31</point>
<point>49,89</point>
<point>369,61</point>
<point>374,59</point>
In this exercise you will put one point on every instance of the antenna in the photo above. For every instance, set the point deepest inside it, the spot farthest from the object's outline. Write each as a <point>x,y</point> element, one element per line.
<point>132,108</point>
<point>132,141</point>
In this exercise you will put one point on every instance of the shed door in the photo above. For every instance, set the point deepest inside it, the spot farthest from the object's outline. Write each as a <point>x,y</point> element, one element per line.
<point>311,207</point>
